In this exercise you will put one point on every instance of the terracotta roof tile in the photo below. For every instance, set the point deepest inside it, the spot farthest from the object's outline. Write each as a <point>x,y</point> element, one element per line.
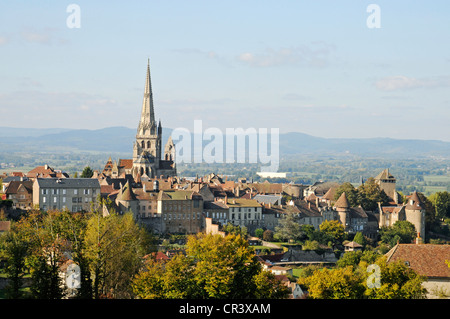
<point>426,259</point>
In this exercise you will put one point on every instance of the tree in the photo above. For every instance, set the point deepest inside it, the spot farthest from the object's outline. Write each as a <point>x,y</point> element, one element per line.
<point>87,172</point>
<point>350,192</point>
<point>229,228</point>
<point>334,229</point>
<point>259,232</point>
<point>224,266</point>
<point>15,251</point>
<point>397,281</point>
<point>402,231</point>
<point>370,194</point>
<point>213,267</point>
<point>360,239</point>
<point>339,283</point>
<point>114,247</point>
<point>45,255</point>
<point>288,229</point>
<point>268,235</point>
<point>441,202</point>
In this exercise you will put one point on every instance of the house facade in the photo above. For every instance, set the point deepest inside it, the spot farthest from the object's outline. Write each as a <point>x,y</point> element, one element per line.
<point>180,211</point>
<point>72,194</point>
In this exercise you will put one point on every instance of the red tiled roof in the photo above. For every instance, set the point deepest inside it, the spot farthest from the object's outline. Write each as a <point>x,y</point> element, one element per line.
<point>426,259</point>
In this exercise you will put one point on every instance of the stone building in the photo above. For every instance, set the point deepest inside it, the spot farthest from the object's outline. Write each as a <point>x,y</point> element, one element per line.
<point>354,219</point>
<point>180,211</point>
<point>147,157</point>
<point>413,211</point>
<point>387,183</point>
<point>73,194</point>
<point>21,194</point>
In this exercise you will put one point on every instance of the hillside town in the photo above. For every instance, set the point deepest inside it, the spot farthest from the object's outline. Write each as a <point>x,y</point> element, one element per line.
<point>147,187</point>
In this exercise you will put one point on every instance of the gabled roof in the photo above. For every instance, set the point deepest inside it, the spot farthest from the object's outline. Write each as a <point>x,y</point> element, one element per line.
<point>426,259</point>
<point>14,186</point>
<point>358,212</point>
<point>353,244</point>
<point>126,163</point>
<point>384,175</point>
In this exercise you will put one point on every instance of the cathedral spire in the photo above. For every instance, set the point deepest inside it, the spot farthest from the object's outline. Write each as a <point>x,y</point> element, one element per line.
<point>147,114</point>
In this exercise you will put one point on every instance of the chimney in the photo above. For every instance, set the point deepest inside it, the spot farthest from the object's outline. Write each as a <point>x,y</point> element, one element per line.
<point>419,239</point>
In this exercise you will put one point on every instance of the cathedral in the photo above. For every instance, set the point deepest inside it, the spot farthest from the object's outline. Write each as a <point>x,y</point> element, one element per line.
<point>147,160</point>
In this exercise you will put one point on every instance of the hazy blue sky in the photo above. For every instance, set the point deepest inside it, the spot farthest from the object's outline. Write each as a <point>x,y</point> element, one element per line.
<point>305,66</point>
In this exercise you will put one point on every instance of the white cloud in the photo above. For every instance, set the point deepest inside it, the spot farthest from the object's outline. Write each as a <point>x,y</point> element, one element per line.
<point>46,36</point>
<point>315,55</point>
<point>401,82</point>
<point>70,109</point>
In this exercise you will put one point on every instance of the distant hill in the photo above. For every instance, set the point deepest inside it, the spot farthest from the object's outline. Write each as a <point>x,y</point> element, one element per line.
<point>120,139</point>
<point>299,143</point>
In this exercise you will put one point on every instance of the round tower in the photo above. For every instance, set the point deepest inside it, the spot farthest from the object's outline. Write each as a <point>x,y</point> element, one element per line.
<point>415,214</point>
<point>343,208</point>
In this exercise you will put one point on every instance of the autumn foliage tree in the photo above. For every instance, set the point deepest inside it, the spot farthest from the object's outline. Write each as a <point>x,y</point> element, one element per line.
<point>214,267</point>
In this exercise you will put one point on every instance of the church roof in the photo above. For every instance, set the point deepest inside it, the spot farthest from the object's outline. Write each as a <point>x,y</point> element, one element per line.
<point>147,114</point>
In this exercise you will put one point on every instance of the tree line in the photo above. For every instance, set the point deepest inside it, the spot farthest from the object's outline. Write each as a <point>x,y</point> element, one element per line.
<point>116,259</point>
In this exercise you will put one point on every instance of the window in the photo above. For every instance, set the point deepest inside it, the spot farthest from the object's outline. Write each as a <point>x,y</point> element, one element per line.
<point>86,191</point>
<point>75,191</point>
<point>44,199</point>
<point>64,191</point>
<point>55,199</point>
<point>44,192</point>
<point>64,199</point>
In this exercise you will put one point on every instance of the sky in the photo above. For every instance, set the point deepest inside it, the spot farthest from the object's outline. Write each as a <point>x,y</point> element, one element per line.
<point>326,68</point>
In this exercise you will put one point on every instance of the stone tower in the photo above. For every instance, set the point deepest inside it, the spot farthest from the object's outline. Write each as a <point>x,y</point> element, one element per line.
<point>147,160</point>
<point>343,208</point>
<point>387,183</point>
<point>415,214</point>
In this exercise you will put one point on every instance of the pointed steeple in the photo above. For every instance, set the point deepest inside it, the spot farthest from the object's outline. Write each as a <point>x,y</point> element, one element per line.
<point>147,113</point>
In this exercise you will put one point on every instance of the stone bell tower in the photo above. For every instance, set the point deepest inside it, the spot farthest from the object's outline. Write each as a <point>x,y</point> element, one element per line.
<point>147,161</point>
<point>147,147</point>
